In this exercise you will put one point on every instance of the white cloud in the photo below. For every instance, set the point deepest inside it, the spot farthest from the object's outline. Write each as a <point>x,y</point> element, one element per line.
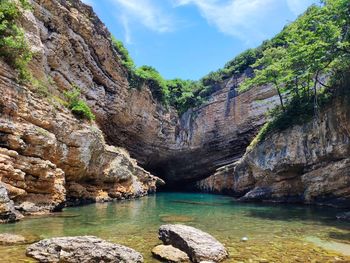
<point>127,34</point>
<point>239,18</point>
<point>145,12</point>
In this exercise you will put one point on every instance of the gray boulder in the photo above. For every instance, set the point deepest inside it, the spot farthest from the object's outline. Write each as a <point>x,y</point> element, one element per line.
<point>198,245</point>
<point>82,249</point>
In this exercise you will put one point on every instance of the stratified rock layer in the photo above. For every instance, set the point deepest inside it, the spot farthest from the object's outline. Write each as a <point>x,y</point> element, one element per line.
<point>74,47</point>
<point>45,150</point>
<point>198,245</point>
<point>84,249</point>
<point>306,163</point>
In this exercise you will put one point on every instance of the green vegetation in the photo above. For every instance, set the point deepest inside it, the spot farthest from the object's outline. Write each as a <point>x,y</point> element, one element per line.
<point>13,46</point>
<point>77,105</point>
<point>184,94</point>
<point>299,62</point>
<point>175,92</point>
<point>124,54</point>
<point>308,66</point>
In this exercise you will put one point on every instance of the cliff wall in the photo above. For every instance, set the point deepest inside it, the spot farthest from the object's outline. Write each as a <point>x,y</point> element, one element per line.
<point>306,163</point>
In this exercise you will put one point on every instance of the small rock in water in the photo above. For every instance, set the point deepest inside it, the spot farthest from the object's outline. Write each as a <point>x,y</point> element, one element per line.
<point>344,216</point>
<point>170,254</point>
<point>244,239</point>
<point>11,239</point>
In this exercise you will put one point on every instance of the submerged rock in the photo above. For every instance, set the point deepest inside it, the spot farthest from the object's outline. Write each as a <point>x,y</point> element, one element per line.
<point>170,254</point>
<point>82,249</point>
<point>11,239</point>
<point>344,216</point>
<point>198,245</point>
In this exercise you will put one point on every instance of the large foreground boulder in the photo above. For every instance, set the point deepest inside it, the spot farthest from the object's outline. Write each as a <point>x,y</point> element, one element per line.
<point>82,249</point>
<point>198,245</point>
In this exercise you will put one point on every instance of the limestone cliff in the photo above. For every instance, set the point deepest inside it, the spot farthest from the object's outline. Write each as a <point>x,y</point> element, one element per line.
<point>73,47</point>
<point>218,132</point>
<point>47,155</point>
<point>307,163</point>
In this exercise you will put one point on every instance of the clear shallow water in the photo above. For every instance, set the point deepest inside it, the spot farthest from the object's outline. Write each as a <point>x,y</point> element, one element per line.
<point>277,233</point>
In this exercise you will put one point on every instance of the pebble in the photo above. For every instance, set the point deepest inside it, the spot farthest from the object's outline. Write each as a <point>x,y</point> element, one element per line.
<point>244,239</point>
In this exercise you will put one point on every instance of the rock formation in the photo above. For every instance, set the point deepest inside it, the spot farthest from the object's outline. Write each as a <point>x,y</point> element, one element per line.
<point>216,133</point>
<point>307,163</point>
<point>74,47</point>
<point>47,154</point>
<point>49,157</point>
<point>198,245</point>
<point>84,249</point>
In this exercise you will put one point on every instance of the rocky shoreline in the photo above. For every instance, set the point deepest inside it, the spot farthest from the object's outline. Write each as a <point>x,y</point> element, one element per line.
<point>181,244</point>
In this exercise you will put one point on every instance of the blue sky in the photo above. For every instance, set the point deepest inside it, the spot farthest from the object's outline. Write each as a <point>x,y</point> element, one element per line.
<point>190,38</point>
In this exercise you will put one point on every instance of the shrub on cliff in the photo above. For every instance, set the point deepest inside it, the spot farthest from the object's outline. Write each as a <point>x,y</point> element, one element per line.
<point>127,61</point>
<point>77,105</point>
<point>14,48</point>
<point>316,51</point>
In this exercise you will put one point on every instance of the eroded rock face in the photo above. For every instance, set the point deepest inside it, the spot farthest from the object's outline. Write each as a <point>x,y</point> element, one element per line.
<point>216,133</point>
<point>221,182</point>
<point>307,163</point>
<point>70,159</point>
<point>45,150</point>
<point>74,47</point>
<point>198,245</point>
<point>83,249</point>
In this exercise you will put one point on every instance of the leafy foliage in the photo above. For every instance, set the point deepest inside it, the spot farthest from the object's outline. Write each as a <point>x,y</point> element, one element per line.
<point>13,46</point>
<point>77,105</point>
<point>304,67</point>
<point>124,54</point>
<point>296,62</point>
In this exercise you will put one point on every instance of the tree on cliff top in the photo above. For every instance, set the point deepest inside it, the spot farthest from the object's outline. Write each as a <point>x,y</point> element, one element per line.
<point>315,52</point>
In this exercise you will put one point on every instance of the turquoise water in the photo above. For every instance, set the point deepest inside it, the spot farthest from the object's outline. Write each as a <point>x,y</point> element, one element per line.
<point>276,233</point>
